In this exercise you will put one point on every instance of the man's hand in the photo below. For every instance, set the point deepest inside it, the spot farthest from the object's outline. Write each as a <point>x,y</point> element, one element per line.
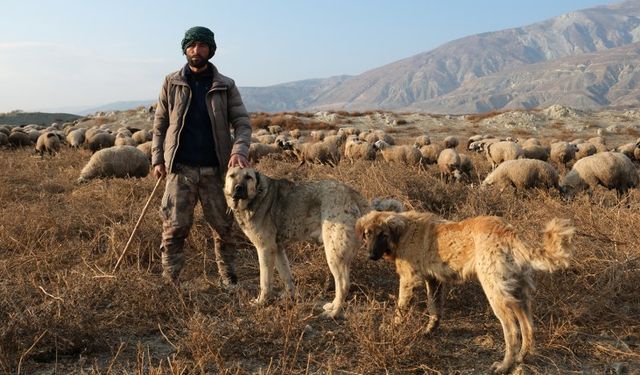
<point>159,171</point>
<point>238,160</point>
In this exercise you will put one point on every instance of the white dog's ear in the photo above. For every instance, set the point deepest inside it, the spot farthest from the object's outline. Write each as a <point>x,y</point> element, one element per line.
<point>396,224</point>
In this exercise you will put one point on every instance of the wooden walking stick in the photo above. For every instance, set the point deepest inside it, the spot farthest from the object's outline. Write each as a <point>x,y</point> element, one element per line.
<point>135,229</point>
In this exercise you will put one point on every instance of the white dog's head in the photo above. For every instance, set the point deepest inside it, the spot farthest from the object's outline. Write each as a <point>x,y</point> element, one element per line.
<point>241,187</point>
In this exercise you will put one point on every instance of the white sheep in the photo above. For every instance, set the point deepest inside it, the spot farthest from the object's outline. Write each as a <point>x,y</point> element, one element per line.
<point>499,152</point>
<point>449,164</point>
<point>430,153</point>
<point>563,152</point>
<point>531,142</point>
<point>585,149</point>
<point>259,150</point>
<point>117,161</point>
<point>75,138</point>
<point>523,174</point>
<point>275,129</point>
<point>357,149</point>
<point>612,170</point>
<point>408,155</point>
<point>48,142</point>
<point>146,148</point>
<point>142,136</point>
<point>317,152</point>
<point>317,135</point>
<point>628,149</point>
<point>422,140</point>
<point>124,140</point>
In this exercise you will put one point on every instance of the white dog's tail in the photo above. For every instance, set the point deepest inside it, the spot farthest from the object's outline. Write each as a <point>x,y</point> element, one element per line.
<point>556,251</point>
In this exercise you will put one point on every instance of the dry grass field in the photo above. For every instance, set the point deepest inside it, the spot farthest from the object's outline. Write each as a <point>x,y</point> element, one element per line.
<point>64,311</point>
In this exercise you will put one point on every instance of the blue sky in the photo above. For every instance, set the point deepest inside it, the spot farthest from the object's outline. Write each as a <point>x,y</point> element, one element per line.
<point>77,54</point>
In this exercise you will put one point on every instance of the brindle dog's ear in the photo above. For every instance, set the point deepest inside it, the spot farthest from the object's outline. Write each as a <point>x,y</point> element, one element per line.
<point>396,224</point>
<point>257,179</point>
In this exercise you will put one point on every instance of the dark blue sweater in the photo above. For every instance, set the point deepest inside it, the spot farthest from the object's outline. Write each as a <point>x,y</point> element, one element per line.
<point>197,147</point>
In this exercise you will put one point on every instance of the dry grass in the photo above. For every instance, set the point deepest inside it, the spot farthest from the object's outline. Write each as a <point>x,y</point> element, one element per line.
<point>63,311</point>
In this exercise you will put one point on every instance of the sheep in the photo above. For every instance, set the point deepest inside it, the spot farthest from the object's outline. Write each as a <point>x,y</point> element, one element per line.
<point>612,170</point>
<point>531,142</point>
<point>48,142</point>
<point>259,150</point>
<point>636,151</point>
<point>533,151</point>
<point>451,142</point>
<point>146,148</point>
<point>523,174</point>
<point>357,149</point>
<point>266,139</point>
<point>4,139</point>
<point>501,151</point>
<point>628,149</point>
<point>405,154</point>
<point>474,138</point>
<point>430,153</point>
<point>352,130</point>
<point>563,152</point>
<point>466,165</point>
<point>422,140</point>
<point>317,135</point>
<point>18,138</point>
<point>142,136</point>
<point>92,132</point>
<point>585,149</point>
<point>122,140</point>
<point>481,145</point>
<point>75,138</point>
<point>117,161</point>
<point>449,164</point>
<point>100,141</point>
<point>317,152</point>
<point>379,135</point>
<point>5,129</point>
<point>295,133</point>
<point>387,204</point>
<point>275,129</point>
<point>260,132</point>
<point>124,131</point>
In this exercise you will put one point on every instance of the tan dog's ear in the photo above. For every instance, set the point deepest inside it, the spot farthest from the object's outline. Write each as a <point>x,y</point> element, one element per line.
<point>360,224</point>
<point>396,224</point>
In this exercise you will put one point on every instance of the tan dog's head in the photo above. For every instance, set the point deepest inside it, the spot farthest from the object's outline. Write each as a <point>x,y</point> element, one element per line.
<point>381,231</point>
<point>240,187</point>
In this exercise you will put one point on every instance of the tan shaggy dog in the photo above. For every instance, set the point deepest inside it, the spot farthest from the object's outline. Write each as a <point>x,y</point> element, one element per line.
<point>430,250</point>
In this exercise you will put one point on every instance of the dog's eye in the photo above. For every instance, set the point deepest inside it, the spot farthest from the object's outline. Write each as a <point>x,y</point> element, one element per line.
<point>232,175</point>
<point>248,177</point>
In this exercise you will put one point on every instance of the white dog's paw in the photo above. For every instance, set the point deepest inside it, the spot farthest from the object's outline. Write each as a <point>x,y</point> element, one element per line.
<point>258,301</point>
<point>328,306</point>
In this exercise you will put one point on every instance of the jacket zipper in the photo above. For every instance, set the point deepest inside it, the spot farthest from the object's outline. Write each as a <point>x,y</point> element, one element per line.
<point>184,116</point>
<point>213,129</point>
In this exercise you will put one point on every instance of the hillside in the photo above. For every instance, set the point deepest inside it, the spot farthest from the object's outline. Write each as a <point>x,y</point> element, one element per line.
<point>454,77</point>
<point>38,118</point>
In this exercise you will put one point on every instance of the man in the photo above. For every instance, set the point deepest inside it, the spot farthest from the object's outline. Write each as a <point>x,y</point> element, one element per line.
<point>193,147</point>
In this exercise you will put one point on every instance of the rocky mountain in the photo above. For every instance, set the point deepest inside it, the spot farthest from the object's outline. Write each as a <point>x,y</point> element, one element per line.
<point>585,59</point>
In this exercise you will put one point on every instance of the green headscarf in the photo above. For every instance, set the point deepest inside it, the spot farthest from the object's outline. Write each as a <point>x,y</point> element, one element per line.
<point>199,34</point>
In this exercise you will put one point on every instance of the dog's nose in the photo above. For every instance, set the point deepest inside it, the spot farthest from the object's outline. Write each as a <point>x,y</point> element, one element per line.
<point>239,191</point>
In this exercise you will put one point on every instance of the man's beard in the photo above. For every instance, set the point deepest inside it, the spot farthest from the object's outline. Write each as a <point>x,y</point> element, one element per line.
<point>197,61</point>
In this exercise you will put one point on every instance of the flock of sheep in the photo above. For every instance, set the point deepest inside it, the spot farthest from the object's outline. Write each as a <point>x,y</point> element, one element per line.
<point>520,164</point>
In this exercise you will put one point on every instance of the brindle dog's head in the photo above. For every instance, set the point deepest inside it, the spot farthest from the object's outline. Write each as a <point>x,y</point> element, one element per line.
<point>240,187</point>
<point>381,231</point>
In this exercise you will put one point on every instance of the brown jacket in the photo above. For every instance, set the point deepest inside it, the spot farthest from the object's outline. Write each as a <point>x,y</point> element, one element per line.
<point>226,111</point>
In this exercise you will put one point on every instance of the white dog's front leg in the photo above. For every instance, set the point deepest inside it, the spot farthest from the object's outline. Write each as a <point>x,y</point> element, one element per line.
<point>266,259</point>
<point>284,270</point>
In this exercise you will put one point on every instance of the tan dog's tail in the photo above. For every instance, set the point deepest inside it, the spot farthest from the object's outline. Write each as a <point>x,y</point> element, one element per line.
<point>556,251</point>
